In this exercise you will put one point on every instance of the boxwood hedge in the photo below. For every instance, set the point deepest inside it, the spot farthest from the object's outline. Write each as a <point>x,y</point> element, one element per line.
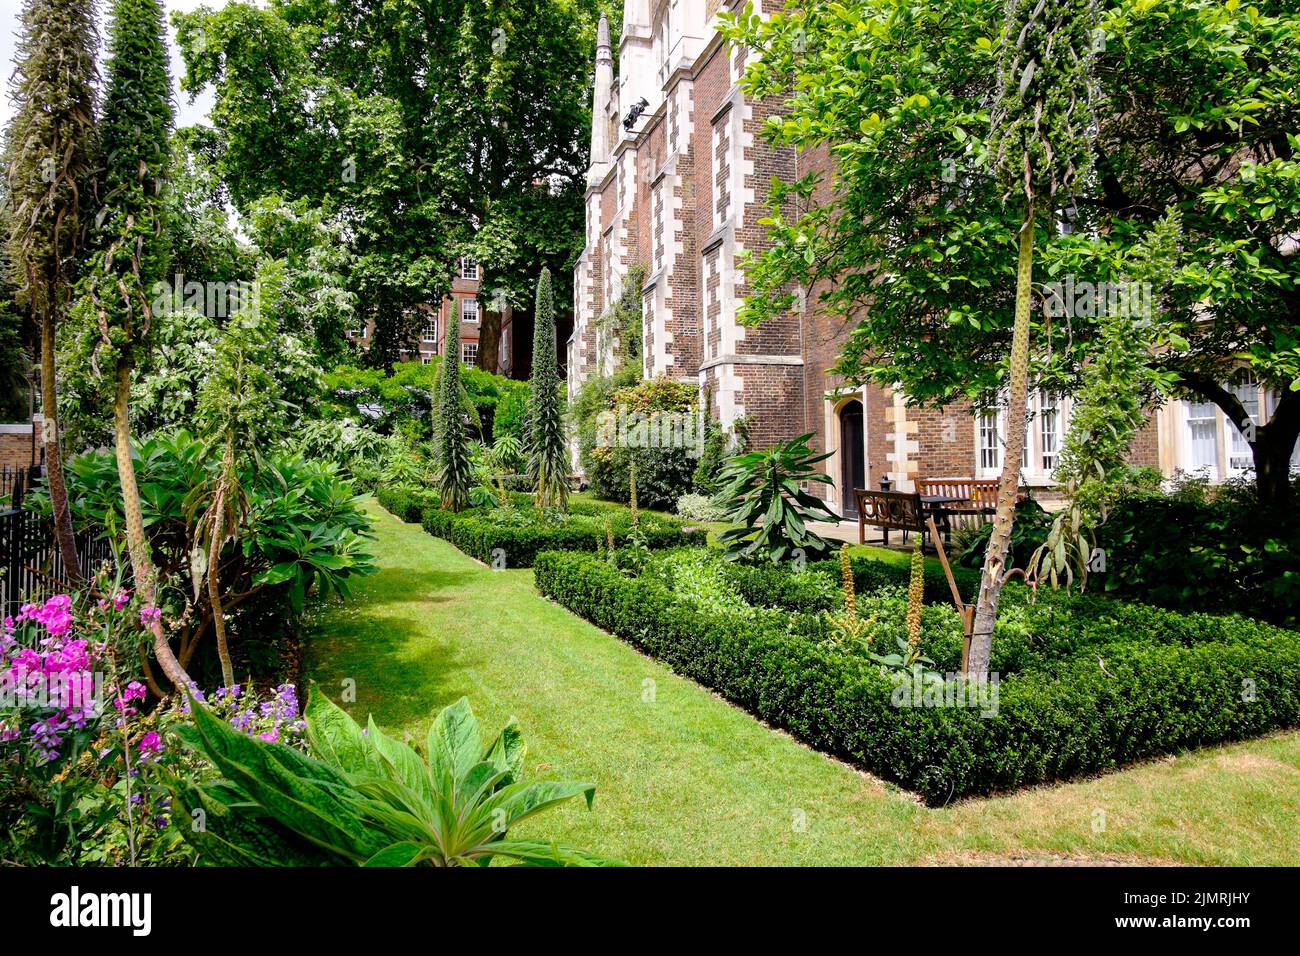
<point>1124,699</point>
<point>405,502</point>
<point>477,533</point>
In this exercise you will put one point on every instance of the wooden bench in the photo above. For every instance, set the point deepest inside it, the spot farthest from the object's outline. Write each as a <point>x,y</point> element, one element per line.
<point>979,497</point>
<point>892,510</point>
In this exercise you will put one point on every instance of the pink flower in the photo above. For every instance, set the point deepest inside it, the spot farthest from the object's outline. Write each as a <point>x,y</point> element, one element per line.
<point>271,736</point>
<point>150,745</point>
<point>121,599</point>
<point>149,615</point>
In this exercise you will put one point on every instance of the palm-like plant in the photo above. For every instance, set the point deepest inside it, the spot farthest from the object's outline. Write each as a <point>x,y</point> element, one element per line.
<point>366,798</point>
<point>765,501</point>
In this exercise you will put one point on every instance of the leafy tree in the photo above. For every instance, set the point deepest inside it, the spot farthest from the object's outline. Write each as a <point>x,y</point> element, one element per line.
<point>1039,144</point>
<point>130,256</point>
<point>548,452</point>
<point>1194,117</point>
<point>49,155</point>
<point>454,472</point>
<point>350,107</point>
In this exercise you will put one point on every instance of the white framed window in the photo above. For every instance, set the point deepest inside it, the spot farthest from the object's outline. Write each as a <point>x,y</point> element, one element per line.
<point>468,268</point>
<point>430,333</point>
<point>357,333</point>
<point>469,310</point>
<point>1047,418</point>
<point>1049,431</point>
<point>426,359</point>
<point>1207,441</point>
<point>989,442</point>
<point>469,352</point>
<point>1249,392</point>
<point>1203,437</point>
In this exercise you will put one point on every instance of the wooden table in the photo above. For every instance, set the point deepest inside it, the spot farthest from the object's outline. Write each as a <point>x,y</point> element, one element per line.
<point>934,505</point>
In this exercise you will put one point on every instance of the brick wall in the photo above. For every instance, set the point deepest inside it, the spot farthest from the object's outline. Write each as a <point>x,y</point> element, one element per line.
<point>16,449</point>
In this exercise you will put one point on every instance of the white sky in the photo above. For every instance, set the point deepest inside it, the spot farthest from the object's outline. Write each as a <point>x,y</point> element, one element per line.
<point>187,114</point>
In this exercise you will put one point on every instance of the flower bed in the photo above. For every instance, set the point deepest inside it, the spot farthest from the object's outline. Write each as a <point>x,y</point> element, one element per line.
<point>1085,684</point>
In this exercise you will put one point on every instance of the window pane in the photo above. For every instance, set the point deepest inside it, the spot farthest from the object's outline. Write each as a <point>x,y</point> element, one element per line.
<point>1203,447</point>
<point>1049,430</point>
<point>990,445</point>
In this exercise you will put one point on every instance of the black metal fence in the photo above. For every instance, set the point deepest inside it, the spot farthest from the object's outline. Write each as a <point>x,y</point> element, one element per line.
<point>31,562</point>
<point>15,482</point>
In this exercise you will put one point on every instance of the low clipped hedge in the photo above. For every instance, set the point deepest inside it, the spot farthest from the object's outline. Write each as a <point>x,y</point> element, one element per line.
<point>478,535</point>
<point>1123,700</point>
<point>405,503</point>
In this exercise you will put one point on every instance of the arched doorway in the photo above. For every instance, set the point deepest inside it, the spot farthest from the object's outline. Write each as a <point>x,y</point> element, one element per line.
<point>853,466</point>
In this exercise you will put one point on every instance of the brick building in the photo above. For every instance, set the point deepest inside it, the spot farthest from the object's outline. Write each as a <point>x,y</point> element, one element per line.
<point>465,293</point>
<point>677,184</point>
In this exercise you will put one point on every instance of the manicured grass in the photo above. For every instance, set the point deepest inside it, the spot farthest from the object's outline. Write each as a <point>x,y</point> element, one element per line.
<point>686,778</point>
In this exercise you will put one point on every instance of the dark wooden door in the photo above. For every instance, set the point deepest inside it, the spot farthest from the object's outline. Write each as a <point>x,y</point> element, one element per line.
<point>853,468</point>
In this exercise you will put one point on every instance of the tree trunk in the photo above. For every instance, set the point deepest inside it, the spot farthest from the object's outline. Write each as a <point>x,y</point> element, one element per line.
<point>1272,450</point>
<point>1271,443</point>
<point>489,341</point>
<point>214,566</point>
<point>137,544</point>
<point>995,558</point>
<point>54,456</point>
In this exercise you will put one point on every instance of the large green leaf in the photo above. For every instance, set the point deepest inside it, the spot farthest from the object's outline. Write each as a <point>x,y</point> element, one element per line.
<point>508,750</point>
<point>521,800</point>
<point>455,741</point>
<point>404,763</point>
<point>335,737</point>
<point>397,854</point>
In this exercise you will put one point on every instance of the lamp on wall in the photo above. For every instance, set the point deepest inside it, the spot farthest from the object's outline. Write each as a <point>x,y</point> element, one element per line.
<point>634,113</point>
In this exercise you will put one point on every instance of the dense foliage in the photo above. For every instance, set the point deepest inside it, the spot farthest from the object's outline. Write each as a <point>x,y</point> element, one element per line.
<point>513,536</point>
<point>623,421</point>
<point>1224,555</point>
<point>351,110</point>
<point>302,532</point>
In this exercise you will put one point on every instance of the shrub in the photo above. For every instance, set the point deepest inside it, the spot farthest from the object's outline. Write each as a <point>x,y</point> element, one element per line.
<point>1126,699</point>
<point>1222,555</point>
<point>662,474</point>
<point>869,574</point>
<point>404,501</point>
<point>694,507</point>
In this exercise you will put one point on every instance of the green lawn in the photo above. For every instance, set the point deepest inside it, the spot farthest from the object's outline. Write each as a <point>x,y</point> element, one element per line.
<point>684,777</point>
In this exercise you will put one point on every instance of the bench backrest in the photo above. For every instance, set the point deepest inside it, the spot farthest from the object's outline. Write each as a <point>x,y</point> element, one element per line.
<point>890,509</point>
<point>980,492</point>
